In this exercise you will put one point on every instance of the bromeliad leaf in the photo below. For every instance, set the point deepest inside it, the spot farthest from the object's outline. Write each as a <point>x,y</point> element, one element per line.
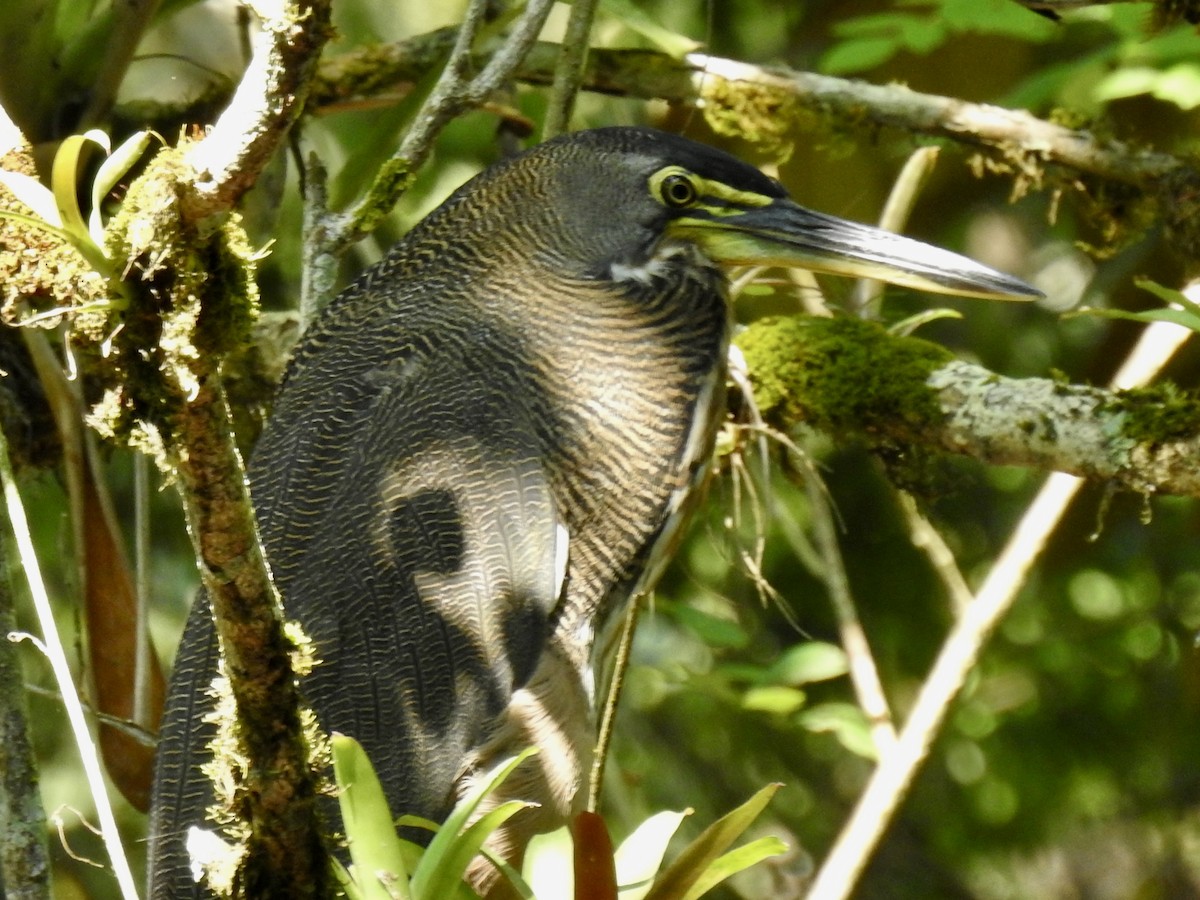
<point>549,868</point>
<point>680,880</point>
<point>735,861</point>
<point>32,193</point>
<point>379,872</point>
<point>111,171</point>
<point>64,178</point>
<point>640,855</point>
<point>1180,310</point>
<point>442,866</point>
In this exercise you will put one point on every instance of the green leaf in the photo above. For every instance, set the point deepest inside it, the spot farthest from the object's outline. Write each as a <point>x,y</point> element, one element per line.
<point>892,24</point>
<point>1168,295</point>
<point>773,698</point>
<point>677,881</point>
<point>443,877</point>
<point>855,56</point>
<point>844,721</point>
<point>808,663</point>
<point>455,845</point>
<point>345,881</point>
<point>1000,17</point>
<point>515,881</point>
<point>1176,316</point>
<point>735,861</point>
<point>714,631</point>
<point>640,855</point>
<point>1127,82</point>
<point>549,864</point>
<point>33,194</point>
<point>1178,84</point>
<point>374,845</point>
<point>112,170</point>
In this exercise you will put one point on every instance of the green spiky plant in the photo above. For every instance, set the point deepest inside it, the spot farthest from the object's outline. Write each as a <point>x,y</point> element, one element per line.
<point>574,861</point>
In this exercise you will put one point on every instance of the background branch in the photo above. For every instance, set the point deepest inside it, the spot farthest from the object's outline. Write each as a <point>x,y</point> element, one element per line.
<point>850,376</point>
<point>455,92</point>
<point>568,74</point>
<point>724,86</point>
<point>960,653</point>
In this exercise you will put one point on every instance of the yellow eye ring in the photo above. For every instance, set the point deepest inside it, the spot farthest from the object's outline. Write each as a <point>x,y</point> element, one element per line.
<point>677,191</point>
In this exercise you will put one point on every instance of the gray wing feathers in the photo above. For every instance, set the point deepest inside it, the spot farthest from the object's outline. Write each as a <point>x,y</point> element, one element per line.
<point>411,530</point>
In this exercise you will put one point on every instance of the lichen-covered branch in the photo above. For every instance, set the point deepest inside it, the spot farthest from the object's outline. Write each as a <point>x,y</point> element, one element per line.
<point>772,105</point>
<point>284,854</point>
<point>192,301</point>
<point>762,93</point>
<point>850,376</point>
<point>1124,185</point>
<point>156,359</point>
<point>1145,440</point>
<point>269,98</point>
<point>765,101</point>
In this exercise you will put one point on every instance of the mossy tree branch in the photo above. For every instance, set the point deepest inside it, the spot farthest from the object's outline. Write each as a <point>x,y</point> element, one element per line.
<point>848,376</point>
<point>771,105</point>
<point>268,100</point>
<point>192,303</point>
<point>765,101</point>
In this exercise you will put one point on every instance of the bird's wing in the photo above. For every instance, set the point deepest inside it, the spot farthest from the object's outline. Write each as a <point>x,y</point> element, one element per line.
<point>410,528</point>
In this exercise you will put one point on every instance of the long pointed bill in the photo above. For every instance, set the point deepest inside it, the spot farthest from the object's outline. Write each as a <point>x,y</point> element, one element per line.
<point>783,233</point>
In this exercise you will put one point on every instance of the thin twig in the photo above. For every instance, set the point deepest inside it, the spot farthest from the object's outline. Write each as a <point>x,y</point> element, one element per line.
<point>900,202</point>
<point>318,269</point>
<point>611,700</point>
<point>568,74</point>
<point>863,673</point>
<point>130,20</point>
<point>454,93</point>
<point>139,734</point>
<point>142,582</point>
<point>929,541</point>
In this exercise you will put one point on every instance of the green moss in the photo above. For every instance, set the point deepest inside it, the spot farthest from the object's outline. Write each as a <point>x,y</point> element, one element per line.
<point>766,116</point>
<point>841,375</point>
<point>192,300</point>
<point>394,178</point>
<point>39,272</point>
<point>1159,414</point>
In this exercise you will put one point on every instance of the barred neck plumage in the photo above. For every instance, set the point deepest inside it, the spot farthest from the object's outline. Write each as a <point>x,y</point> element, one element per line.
<point>635,378</point>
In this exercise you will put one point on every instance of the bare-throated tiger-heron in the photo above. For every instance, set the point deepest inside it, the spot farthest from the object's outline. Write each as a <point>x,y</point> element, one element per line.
<point>482,446</point>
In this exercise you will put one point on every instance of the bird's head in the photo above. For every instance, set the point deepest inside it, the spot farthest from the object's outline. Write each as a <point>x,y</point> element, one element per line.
<point>624,202</point>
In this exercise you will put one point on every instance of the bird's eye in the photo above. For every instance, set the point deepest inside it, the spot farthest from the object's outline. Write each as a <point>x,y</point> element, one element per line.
<point>678,191</point>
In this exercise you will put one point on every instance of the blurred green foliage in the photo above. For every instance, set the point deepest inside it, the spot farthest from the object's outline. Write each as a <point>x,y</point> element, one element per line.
<point>1071,767</point>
